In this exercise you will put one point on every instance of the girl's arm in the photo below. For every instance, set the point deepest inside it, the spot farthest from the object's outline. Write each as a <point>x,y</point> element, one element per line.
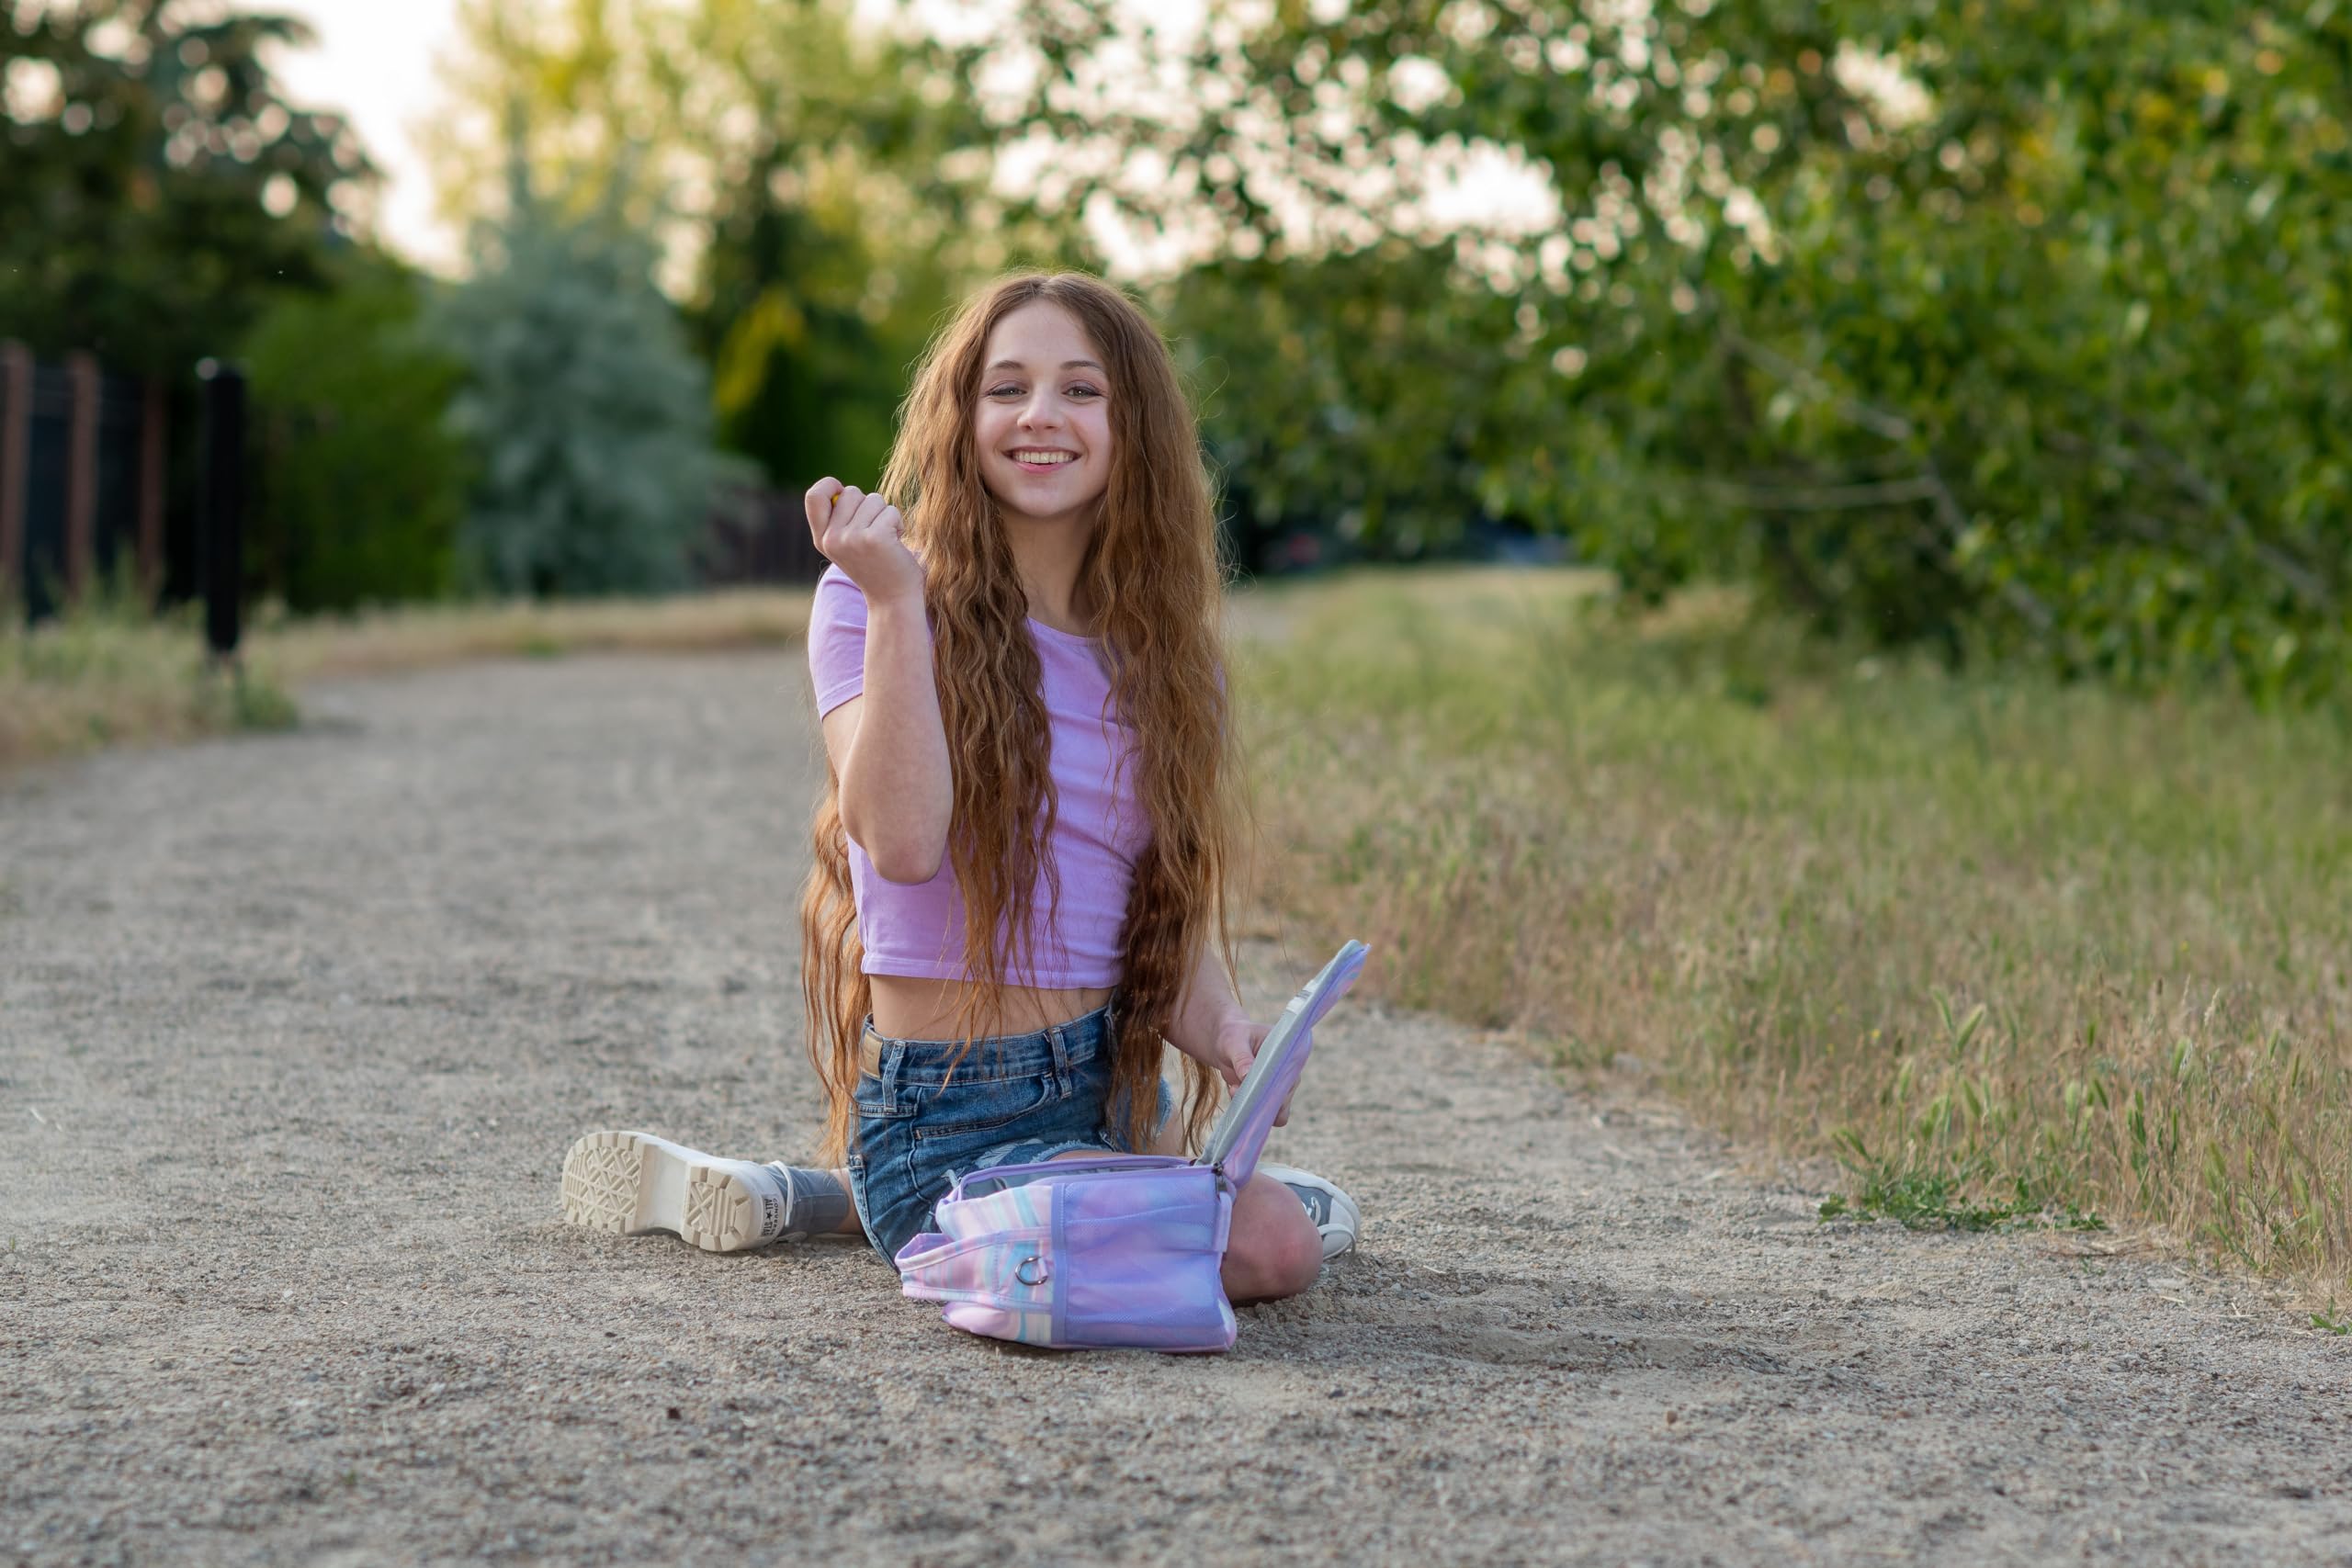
<point>1210,1024</point>
<point>888,743</point>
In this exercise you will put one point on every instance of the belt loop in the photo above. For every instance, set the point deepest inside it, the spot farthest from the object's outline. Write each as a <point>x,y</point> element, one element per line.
<point>1064,1080</point>
<point>893,1057</point>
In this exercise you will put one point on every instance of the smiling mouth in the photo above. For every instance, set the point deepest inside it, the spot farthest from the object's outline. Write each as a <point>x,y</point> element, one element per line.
<point>1039,458</point>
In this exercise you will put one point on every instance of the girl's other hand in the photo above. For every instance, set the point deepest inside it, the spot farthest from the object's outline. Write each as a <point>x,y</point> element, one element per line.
<point>859,533</point>
<point>1230,1054</point>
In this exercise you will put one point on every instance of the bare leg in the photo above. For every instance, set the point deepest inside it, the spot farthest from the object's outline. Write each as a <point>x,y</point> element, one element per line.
<point>1275,1249</point>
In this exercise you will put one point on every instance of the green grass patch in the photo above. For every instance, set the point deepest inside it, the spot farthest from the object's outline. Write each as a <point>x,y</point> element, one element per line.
<point>1945,1197</point>
<point>2042,951</point>
<point>109,672</point>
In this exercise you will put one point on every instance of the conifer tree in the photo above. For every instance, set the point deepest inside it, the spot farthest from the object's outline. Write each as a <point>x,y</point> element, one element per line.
<point>590,417</point>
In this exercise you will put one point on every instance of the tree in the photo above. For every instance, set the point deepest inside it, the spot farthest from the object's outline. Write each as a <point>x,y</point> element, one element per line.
<point>1960,321</point>
<point>819,197</point>
<point>361,484</point>
<point>591,417</point>
<point>156,189</point>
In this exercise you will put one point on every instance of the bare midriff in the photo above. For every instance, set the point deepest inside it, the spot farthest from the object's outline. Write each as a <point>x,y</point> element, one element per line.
<point>909,1008</point>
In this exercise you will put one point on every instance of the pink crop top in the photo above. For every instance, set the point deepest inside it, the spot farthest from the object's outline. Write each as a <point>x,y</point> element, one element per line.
<point>1099,829</point>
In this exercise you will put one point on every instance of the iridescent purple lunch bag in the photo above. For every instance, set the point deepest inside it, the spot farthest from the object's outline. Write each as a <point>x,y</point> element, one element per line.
<point>1124,1251</point>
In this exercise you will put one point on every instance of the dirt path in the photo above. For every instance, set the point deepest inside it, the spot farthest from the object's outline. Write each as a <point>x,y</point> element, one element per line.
<point>294,1032</point>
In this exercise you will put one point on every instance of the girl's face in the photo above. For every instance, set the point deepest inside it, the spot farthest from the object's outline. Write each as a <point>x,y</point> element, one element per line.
<point>1041,425</point>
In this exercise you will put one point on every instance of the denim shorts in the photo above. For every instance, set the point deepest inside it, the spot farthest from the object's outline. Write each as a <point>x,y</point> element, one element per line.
<point>1011,1100</point>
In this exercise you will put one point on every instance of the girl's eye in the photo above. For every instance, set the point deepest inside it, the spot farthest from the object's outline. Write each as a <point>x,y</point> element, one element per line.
<point>1081,390</point>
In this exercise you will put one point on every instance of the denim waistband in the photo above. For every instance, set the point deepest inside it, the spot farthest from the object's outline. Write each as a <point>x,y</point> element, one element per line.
<point>1053,1048</point>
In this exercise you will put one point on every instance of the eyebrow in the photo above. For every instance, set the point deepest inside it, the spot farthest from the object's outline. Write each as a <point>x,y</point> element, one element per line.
<point>1067,365</point>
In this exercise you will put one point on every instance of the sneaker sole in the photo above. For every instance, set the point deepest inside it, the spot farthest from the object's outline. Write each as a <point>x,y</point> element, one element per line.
<point>1339,1238</point>
<point>629,1183</point>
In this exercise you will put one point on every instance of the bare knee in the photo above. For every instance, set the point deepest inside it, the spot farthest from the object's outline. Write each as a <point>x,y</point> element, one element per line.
<point>1275,1250</point>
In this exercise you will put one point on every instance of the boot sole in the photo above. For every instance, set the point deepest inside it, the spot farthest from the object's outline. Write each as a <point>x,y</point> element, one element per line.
<point>629,1183</point>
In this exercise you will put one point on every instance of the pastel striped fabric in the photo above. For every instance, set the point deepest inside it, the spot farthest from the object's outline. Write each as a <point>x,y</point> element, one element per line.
<point>994,1274</point>
<point>1120,1252</point>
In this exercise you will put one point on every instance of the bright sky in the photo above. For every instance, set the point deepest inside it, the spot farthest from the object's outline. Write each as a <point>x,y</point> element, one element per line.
<point>373,61</point>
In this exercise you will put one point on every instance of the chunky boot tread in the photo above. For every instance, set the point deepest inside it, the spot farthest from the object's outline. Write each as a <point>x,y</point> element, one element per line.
<point>629,1183</point>
<point>601,1177</point>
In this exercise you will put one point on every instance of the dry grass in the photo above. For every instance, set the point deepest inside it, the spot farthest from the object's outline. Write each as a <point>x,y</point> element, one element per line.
<point>2008,950</point>
<point>110,673</point>
<point>409,637</point>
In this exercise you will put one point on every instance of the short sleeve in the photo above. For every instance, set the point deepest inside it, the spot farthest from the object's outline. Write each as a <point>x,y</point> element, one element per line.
<point>836,640</point>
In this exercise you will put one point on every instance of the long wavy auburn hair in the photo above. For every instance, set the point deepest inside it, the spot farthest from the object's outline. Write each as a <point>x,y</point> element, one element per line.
<point>1151,573</point>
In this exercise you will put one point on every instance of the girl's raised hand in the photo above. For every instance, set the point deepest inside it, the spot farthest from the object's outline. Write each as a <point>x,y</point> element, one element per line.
<point>859,533</point>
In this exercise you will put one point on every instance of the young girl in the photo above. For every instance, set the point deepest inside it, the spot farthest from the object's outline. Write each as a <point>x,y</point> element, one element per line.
<point>1022,855</point>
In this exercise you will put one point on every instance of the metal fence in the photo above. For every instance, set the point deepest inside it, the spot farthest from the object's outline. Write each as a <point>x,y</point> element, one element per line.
<point>82,456</point>
<point>757,536</point>
<point>87,493</point>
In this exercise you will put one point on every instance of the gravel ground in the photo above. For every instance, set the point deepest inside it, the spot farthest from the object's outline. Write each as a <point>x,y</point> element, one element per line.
<point>294,1033</point>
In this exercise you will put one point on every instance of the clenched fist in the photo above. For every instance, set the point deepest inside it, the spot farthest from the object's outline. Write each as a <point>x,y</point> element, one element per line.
<point>859,533</point>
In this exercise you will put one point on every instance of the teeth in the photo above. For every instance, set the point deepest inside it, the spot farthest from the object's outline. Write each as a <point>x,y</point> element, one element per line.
<point>1041,456</point>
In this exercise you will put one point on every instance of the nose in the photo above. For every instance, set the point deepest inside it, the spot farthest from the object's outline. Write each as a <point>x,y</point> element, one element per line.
<point>1040,411</point>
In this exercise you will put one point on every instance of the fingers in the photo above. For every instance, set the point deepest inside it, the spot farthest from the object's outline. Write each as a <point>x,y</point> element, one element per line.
<point>1237,1041</point>
<point>818,502</point>
<point>839,513</point>
<point>872,513</point>
<point>844,508</point>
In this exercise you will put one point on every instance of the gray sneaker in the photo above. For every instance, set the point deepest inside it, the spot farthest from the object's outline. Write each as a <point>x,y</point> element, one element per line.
<point>1334,1213</point>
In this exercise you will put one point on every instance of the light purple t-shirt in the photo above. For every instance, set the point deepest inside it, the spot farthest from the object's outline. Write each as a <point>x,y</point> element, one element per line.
<point>1099,829</point>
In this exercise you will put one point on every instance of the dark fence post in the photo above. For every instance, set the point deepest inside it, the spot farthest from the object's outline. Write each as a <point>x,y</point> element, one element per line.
<point>82,379</point>
<point>15,465</point>
<point>154,448</point>
<point>221,505</point>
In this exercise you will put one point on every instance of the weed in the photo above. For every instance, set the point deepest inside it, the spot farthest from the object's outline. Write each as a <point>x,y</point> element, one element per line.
<point>1943,1199</point>
<point>261,703</point>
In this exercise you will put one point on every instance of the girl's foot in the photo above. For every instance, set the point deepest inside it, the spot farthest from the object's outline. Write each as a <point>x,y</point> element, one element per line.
<point>1334,1213</point>
<point>632,1182</point>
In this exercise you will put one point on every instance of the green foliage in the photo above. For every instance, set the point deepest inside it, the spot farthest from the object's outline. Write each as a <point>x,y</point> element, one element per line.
<point>1327,400</point>
<point>834,215</point>
<point>155,187</point>
<point>1986,325</point>
<point>362,483</point>
<point>590,416</point>
<point>1931,1196</point>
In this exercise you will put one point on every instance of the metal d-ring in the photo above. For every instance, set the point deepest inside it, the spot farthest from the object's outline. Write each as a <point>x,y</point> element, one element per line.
<point>1032,1269</point>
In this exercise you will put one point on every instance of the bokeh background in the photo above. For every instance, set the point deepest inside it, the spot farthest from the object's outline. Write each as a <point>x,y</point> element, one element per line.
<point>1986,326</point>
<point>1902,705</point>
